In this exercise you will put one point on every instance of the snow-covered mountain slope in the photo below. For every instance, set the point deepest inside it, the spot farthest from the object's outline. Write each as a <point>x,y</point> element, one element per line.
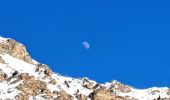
<point>22,78</point>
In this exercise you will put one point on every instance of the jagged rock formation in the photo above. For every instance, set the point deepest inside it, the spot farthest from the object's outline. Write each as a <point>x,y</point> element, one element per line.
<point>17,50</point>
<point>21,78</point>
<point>102,94</point>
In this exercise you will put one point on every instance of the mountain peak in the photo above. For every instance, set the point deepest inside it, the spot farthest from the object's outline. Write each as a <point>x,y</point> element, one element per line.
<point>15,49</point>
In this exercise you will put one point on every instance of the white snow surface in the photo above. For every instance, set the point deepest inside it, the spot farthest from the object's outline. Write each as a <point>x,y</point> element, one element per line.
<point>3,40</point>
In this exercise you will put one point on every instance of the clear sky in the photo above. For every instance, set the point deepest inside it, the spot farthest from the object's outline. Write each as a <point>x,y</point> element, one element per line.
<point>129,39</point>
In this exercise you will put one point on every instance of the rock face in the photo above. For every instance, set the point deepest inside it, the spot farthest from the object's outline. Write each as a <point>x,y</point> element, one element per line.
<point>102,94</point>
<point>62,95</point>
<point>120,87</point>
<point>21,79</point>
<point>81,97</point>
<point>31,86</point>
<point>14,49</point>
<point>3,76</point>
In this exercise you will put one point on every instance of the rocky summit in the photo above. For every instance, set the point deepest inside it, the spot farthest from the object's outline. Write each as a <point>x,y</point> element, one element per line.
<point>22,78</point>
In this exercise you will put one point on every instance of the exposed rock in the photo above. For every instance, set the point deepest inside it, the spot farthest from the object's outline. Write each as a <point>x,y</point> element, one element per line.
<point>55,92</point>
<point>88,86</point>
<point>62,95</point>
<point>98,86</point>
<point>120,87</point>
<point>66,83</point>
<point>37,68</point>
<point>31,86</point>
<point>3,76</point>
<point>53,82</point>
<point>47,93</point>
<point>1,60</point>
<point>168,93</point>
<point>81,97</point>
<point>15,49</point>
<point>23,76</point>
<point>15,73</point>
<point>102,94</point>
<point>22,96</point>
<point>40,68</point>
<point>48,72</point>
<point>85,80</point>
<point>47,97</point>
<point>43,68</point>
<point>15,81</point>
<point>159,98</point>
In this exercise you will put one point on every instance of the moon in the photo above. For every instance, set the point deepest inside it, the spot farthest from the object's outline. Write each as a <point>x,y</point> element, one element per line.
<point>86,45</point>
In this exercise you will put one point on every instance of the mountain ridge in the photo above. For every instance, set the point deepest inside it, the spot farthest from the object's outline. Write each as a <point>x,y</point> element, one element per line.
<point>22,78</point>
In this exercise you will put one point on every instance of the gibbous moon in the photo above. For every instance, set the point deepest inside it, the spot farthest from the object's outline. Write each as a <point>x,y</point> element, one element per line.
<point>86,45</point>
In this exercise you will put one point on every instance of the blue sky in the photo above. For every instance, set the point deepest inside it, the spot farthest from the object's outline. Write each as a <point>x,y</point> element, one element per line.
<point>129,39</point>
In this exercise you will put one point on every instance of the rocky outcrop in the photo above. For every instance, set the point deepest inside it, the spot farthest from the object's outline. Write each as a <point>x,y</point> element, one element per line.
<point>87,84</point>
<point>53,82</point>
<point>120,87</point>
<point>43,68</point>
<point>102,94</point>
<point>48,72</point>
<point>32,87</point>
<point>22,96</point>
<point>81,97</point>
<point>15,49</point>
<point>3,75</point>
<point>62,95</point>
<point>1,60</point>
